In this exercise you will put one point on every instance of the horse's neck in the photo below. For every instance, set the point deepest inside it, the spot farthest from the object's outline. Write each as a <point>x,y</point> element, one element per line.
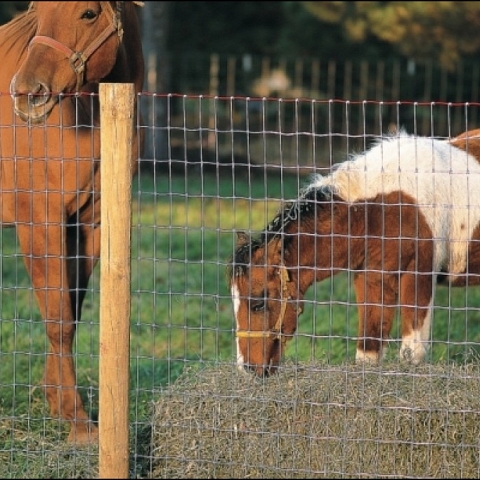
<point>14,39</point>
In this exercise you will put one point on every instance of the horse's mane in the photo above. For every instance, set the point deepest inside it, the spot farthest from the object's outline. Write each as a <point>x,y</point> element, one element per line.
<point>16,34</point>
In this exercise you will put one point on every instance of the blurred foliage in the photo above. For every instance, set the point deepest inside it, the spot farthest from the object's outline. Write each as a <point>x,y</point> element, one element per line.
<point>306,35</point>
<point>261,28</point>
<point>442,31</point>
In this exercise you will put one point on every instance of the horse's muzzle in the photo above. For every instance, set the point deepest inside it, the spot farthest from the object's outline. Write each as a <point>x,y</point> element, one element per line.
<point>33,107</point>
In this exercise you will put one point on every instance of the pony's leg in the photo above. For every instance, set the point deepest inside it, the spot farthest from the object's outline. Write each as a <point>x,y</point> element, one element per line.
<point>376,297</point>
<point>45,260</point>
<point>416,299</point>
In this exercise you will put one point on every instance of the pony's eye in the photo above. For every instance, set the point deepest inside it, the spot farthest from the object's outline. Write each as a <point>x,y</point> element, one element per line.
<point>89,15</point>
<point>257,305</point>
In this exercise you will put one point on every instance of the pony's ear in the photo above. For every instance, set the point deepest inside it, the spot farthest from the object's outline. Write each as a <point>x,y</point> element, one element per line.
<point>242,238</point>
<point>274,251</point>
<point>325,193</point>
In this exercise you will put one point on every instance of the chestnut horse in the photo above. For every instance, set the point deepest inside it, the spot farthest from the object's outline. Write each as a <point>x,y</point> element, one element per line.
<point>401,216</point>
<point>50,172</point>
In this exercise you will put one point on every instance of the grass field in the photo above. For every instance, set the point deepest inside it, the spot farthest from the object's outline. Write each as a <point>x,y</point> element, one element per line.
<point>183,234</point>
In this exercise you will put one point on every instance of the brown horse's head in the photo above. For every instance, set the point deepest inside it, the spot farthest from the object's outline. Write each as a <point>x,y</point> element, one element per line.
<point>264,304</point>
<point>75,43</point>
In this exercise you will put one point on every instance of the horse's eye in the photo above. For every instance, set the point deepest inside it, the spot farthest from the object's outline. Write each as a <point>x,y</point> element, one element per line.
<point>89,15</point>
<point>257,305</point>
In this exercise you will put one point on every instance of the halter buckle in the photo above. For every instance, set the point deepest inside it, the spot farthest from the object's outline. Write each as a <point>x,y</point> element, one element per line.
<point>77,61</point>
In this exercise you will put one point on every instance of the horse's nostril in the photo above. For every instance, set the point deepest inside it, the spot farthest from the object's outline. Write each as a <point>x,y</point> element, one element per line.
<point>39,99</point>
<point>42,89</point>
<point>40,96</point>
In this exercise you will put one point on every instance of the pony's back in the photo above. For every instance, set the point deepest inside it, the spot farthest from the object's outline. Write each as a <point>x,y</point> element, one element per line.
<point>441,178</point>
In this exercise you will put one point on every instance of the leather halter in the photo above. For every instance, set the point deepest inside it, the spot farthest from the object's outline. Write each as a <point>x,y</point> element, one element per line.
<point>276,331</point>
<point>79,59</point>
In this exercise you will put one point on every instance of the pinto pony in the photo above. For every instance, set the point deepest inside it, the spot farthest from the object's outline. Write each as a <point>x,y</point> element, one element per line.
<point>402,216</point>
<point>50,171</point>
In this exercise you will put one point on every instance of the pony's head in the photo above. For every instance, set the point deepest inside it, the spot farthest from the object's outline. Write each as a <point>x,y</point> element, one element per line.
<point>265,303</point>
<point>75,43</point>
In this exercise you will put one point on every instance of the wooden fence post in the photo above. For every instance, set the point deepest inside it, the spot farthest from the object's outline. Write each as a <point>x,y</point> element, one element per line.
<point>117,123</point>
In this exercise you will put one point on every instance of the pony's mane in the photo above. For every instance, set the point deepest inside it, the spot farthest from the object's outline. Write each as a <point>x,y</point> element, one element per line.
<point>315,192</point>
<point>303,206</point>
<point>16,34</point>
<point>321,189</point>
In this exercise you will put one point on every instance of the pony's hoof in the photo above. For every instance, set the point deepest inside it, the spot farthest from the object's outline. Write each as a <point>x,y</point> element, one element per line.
<point>407,355</point>
<point>368,358</point>
<point>83,433</point>
<point>412,354</point>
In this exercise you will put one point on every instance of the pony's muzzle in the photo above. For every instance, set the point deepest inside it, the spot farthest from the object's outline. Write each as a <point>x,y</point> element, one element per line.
<point>261,371</point>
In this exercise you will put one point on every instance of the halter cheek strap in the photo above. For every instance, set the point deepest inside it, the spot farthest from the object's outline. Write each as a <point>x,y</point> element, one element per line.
<point>276,331</point>
<point>79,59</point>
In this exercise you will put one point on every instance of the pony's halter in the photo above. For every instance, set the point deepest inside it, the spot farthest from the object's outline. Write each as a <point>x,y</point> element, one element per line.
<point>276,331</point>
<point>79,59</point>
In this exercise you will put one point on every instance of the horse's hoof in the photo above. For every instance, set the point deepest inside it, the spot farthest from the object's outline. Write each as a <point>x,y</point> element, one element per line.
<point>83,433</point>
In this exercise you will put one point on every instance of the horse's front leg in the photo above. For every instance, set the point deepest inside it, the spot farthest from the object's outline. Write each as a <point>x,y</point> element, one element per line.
<point>376,299</point>
<point>83,247</point>
<point>44,247</point>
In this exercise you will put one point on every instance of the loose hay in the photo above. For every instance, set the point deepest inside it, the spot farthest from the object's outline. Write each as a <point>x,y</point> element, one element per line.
<point>316,421</point>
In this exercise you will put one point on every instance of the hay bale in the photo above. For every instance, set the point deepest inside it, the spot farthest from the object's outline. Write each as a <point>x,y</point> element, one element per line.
<point>319,421</point>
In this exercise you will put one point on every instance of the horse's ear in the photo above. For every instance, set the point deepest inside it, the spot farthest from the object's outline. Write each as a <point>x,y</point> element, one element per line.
<point>242,238</point>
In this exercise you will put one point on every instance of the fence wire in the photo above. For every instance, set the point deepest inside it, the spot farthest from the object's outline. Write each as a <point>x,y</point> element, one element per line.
<point>214,167</point>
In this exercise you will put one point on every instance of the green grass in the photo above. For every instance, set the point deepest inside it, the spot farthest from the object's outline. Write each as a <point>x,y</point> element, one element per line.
<point>184,230</point>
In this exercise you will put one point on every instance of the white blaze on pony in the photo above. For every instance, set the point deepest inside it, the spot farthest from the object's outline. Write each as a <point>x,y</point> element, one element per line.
<point>401,216</point>
<point>236,306</point>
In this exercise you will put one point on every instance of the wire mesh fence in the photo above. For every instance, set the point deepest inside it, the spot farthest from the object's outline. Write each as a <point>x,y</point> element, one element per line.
<point>216,167</point>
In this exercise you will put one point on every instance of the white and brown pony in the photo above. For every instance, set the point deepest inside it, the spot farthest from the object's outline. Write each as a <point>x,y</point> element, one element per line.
<point>403,215</point>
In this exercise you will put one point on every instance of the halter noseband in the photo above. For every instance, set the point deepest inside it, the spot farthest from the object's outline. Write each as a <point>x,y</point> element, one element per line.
<point>79,59</point>
<point>276,331</point>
